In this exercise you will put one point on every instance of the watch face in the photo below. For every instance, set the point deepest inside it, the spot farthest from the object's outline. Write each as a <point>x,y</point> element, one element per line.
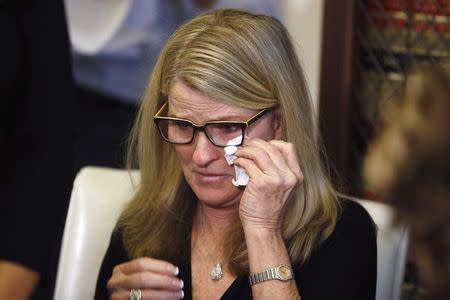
<point>285,272</point>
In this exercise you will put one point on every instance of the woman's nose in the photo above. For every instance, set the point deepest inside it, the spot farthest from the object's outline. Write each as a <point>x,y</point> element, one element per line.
<point>204,151</point>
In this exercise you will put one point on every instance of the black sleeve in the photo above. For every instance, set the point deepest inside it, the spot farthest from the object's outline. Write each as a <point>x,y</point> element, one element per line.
<point>345,265</point>
<point>114,255</point>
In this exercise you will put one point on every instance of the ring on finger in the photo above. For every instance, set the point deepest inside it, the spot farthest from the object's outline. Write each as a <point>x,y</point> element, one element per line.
<point>135,294</point>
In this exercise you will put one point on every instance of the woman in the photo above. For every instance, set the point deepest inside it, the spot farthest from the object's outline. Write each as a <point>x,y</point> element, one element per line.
<point>409,166</point>
<point>232,77</point>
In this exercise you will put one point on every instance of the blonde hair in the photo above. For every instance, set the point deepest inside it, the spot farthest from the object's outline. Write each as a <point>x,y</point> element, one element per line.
<point>245,60</point>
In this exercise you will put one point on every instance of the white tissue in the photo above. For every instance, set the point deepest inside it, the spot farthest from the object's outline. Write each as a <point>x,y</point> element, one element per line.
<point>241,177</point>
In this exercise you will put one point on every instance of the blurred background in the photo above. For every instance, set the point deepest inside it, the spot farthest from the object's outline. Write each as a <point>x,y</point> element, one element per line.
<point>368,47</point>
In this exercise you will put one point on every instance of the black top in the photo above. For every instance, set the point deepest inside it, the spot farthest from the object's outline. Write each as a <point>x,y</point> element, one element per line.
<point>342,267</point>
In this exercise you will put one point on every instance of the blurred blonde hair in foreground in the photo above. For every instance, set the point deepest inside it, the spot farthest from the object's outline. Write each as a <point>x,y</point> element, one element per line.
<point>408,166</point>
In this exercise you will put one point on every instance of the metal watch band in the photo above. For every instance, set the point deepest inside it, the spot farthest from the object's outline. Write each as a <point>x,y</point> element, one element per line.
<point>270,274</point>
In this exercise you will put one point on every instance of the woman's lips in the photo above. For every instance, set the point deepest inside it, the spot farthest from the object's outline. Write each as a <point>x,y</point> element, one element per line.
<point>210,177</point>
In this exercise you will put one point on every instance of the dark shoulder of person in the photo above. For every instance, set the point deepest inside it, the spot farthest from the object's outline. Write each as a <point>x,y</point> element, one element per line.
<point>353,214</point>
<point>354,224</point>
<point>355,229</point>
<point>344,265</point>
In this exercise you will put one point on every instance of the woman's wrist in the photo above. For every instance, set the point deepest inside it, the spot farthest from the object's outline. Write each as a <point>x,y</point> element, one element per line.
<point>258,225</point>
<point>265,243</point>
<point>267,231</point>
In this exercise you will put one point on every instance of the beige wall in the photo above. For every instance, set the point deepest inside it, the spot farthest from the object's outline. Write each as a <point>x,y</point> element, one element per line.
<point>303,18</point>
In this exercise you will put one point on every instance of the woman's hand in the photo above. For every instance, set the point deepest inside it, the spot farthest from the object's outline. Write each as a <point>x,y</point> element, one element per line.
<point>273,171</point>
<point>155,278</point>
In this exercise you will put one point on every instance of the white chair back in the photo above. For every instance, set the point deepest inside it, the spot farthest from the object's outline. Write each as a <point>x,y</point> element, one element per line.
<point>98,197</point>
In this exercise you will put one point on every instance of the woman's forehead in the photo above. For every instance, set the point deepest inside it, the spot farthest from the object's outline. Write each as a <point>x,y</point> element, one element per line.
<point>186,102</point>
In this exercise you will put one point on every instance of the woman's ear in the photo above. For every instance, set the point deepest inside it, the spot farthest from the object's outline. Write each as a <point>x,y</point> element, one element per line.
<point>277,121</point>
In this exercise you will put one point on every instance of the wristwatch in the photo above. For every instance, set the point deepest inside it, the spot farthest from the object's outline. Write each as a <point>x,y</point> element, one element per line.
<point>282,272</point>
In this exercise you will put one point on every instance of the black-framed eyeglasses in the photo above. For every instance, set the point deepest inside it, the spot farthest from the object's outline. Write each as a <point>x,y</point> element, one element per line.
<point>181,131</point>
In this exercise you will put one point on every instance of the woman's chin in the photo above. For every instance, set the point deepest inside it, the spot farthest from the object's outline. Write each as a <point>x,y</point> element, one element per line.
<point>219,197</point>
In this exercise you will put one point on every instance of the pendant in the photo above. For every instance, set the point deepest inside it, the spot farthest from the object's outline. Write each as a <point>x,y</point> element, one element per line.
<point>216,272</point>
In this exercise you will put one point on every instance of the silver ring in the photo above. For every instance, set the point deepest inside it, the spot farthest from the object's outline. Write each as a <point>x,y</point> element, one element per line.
<point>135,294</point>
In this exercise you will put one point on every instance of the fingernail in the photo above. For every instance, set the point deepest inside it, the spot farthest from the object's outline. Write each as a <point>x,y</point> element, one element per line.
<point>181,294</point>
<point>174,270</point>
<point>178,283</point>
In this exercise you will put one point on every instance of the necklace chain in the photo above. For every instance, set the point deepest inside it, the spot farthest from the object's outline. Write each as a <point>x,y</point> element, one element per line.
<point>216,271</point>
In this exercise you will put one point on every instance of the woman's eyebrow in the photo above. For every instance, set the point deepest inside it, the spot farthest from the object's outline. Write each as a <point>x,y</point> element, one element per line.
<point>232,117</point>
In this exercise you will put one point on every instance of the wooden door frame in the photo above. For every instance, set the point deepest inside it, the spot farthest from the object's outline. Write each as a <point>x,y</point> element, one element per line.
<point>335,93</point>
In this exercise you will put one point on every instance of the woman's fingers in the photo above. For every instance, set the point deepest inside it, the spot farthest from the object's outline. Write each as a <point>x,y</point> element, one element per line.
<point>267,157</point>
<point>147,264</point>
<point>147,280</point>
<point>155,278</point>
<point>253,171</point>
<point>273,158</point>
<point>259,157</point>
<point>290,155</point>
